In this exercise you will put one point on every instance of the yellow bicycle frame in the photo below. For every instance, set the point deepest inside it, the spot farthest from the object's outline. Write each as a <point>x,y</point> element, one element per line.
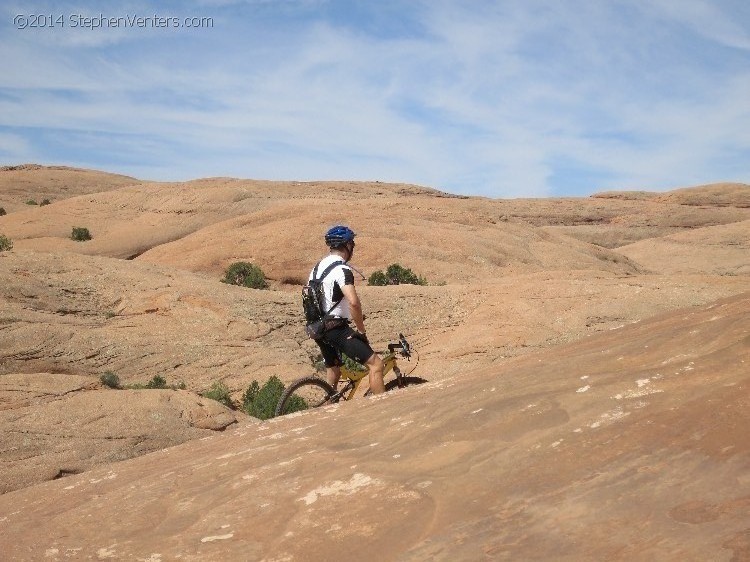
<point>354,378</point>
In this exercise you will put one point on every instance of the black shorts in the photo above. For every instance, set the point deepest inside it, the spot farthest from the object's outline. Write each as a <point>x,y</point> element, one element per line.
<point>343,340</point>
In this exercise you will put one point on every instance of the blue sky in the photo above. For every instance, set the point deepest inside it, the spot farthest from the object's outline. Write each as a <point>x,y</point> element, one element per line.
<point>503,99</point>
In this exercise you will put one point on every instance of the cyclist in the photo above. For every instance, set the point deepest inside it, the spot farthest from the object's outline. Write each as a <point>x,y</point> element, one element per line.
<point>341,298</point>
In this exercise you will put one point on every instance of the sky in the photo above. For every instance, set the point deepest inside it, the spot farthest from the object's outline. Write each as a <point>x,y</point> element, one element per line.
<point>505,98</point>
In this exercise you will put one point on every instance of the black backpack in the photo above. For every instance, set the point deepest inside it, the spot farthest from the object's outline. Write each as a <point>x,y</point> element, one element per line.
<point>313,299</point>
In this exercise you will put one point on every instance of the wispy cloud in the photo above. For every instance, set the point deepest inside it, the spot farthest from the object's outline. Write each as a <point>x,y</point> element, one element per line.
<point>13,147</point>
<point>500,99</point>
<point>725,23</point>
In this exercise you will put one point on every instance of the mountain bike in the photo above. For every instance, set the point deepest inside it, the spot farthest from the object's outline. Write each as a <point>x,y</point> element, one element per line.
<point>313,391</point>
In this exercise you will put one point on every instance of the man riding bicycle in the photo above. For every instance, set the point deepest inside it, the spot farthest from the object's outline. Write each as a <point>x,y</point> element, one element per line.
<point>344,308</point>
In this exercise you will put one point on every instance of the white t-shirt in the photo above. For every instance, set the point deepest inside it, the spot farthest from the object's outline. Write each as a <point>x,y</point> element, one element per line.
<point>338,277</point>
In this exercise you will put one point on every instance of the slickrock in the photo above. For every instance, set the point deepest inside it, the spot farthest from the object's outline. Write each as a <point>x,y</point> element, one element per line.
<point>630,444</point>
<point>55,425</point>
<point>586,358</point>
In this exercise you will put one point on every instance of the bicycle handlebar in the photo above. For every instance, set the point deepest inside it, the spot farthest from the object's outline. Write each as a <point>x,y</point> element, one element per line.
<point>402,344</point>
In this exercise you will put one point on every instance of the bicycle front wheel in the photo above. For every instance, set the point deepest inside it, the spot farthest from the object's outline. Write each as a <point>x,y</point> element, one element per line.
<point>405,381</point>
<point>394,384</point>
<point>303,394</point>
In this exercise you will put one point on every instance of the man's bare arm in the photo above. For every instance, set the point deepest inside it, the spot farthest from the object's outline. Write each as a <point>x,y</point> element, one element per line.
<point>355,307</point>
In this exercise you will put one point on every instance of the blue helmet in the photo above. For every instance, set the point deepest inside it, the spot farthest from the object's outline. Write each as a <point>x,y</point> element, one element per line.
<point>338,236</point>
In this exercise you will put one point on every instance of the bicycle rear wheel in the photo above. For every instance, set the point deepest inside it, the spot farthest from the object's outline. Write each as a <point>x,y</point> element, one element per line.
<point>303,394</point>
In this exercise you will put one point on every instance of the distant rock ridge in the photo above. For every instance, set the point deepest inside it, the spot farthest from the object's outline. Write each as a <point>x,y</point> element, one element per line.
<point>714,194</point>
<point>29,167</point>
<point>32,166</point>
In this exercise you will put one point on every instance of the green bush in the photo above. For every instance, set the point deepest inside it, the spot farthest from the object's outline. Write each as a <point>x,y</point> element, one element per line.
<point>31,202</point>
<point>5,243</point>
<point>220,393</point>
<point>260,402</point>
<point>351,364</point>
<point>295,404</point>
<point>110,379</point>
<point>396,274</point>
<point>378,278</point>
<point>245,275</point>
<point>157,382</point>
<point>80,234</point>
<point>320,366</point>
<point>250,395</point>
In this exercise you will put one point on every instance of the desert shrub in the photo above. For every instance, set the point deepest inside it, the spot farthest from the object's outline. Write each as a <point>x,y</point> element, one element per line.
<point>110,379</point>
<point>80,234</point>
<point>245,275</point>
<point>2,211</point>
<point>351,364</point>
<point>378,278</point>
<point>250,395</point>
<point>295,403</point>
<point>396,274</point>
<point>157,382</point>
<point>220,393</point>
<point>347,362</point>
<point>5,243</point>
<point>260,401</point>
<point>31,202</point>
<point>45,202</point>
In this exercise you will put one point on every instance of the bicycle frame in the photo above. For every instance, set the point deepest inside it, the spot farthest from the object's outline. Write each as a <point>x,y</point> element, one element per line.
<point>352,379</point>
<point>349,382</point>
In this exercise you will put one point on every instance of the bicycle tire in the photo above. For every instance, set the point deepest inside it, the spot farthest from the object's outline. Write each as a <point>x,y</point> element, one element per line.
<point>304,394</point>
<point>405,381</point>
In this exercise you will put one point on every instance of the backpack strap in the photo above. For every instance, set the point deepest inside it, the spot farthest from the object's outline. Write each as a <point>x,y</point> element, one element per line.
<point>326,271</point>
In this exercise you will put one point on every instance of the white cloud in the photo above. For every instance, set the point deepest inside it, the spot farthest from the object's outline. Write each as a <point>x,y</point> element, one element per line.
<point>503,99</point>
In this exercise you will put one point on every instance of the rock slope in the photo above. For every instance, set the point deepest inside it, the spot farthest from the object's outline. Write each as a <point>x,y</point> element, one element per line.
<point>527,296</point>
<point>55,425</point>
<point>627,445</point>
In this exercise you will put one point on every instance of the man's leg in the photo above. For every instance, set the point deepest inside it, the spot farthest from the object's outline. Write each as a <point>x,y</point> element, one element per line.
<point>346,340</point>
<point>332,362</point>
<point>333,374</point>
<point>375,365</point>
